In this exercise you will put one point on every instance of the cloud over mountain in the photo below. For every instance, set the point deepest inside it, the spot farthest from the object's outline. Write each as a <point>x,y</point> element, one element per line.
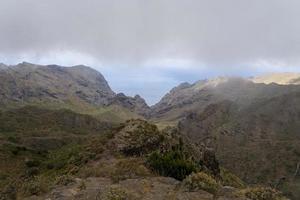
<point>193,37</point>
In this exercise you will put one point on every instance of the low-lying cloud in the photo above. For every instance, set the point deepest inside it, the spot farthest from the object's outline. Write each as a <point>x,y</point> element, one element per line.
<point>179,39</point>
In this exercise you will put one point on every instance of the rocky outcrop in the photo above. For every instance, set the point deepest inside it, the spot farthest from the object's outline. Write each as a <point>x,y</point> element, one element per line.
<point>27,82</point>
<point>135,104</point>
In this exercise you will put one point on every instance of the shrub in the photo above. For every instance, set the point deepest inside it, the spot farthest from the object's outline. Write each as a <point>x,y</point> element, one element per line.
<point>138,138</point>
<point>32,163</point>
<point>129,168</point>
<point>201,181</point>
<point>82,185</point>
<point>230,179</point>
<point>64,180</point>
<point>32,171</point>
<point>172,163</point>
<point>36,186</point>
<point>261,193</point>
<point>117,193</point>
<point>123,169</point>
<point>9,192</point>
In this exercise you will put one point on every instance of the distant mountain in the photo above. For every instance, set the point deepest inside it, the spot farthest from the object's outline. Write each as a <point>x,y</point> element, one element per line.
<point>253,127</point>
<point>79,87</point>
<point>189,97</point>
<point>28,82</point>
<point>135,104</point>
<point>279,78</point>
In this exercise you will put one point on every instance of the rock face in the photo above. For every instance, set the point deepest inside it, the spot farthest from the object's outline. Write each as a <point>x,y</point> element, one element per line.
<point>27,82</point>
<point>135,104</point>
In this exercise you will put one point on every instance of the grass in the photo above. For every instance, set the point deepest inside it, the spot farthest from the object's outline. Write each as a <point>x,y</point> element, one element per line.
<point>124,168</point>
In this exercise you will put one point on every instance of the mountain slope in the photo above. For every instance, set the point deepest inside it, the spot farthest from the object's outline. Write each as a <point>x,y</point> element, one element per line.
<point>188,97</point>
<point>78,88</point>
<point>254,127</point>
<point>132,161</point>
<point>27,82</point>
<point>260,143</point>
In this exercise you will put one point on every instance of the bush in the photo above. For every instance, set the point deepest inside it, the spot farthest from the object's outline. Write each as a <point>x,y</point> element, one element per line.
<point>262,193</point>
<point>64,180</point>
<point>229,179</point>
<point>32,163</point>
<point>36,186</point>
<point>117,193</point>
<point>201,181</point>
<point>129,168</point>
<point>9,192</point>
<point>32,171</point>
<point>138,138</point>
<point>172,163</point>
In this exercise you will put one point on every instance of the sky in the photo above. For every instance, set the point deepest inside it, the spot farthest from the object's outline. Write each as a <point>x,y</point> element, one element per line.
<point>147,47</point>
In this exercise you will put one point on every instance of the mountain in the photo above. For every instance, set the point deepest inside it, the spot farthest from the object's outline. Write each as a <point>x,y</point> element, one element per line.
<point>64,134</point>
<point>79,88</point>
<point>27,82</point>
<point>188,97</point>
<point>253,127</point>
<point>279,78</point>
<point>135,104</point>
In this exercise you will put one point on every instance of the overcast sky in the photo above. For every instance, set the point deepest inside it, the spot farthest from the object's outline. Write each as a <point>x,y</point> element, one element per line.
<point>149,46</point>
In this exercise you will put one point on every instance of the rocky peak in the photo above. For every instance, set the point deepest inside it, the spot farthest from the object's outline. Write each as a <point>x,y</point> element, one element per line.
<point>28,82</point>
<point>136,104</point>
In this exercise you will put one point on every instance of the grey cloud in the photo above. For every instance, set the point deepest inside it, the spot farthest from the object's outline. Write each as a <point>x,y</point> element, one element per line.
<point>131,32</point>
<point>131,41</point>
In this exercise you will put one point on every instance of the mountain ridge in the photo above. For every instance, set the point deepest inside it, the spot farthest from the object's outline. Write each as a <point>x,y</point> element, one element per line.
<point>76,86</point>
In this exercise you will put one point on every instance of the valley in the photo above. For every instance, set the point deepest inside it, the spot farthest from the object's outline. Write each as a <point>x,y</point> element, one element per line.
<point>64,134</point>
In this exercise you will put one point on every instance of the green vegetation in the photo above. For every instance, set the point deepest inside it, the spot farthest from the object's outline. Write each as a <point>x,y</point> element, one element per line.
<point>41,153</point>
<point>116,194</point>
<point>201,181</point>
<point>172,163</point>
<point>123,169</point>
<point>138,137</point>
<point>262,193</point>
<point>36,121</point>
<point>230,179</point>
<point>40,148</point>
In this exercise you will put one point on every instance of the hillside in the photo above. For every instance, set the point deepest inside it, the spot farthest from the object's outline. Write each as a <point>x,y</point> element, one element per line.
<point>78,88</point>
<point>132,161</point>
<point>252,126</point>
<point>188,97</point>
<point>64,132</point>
